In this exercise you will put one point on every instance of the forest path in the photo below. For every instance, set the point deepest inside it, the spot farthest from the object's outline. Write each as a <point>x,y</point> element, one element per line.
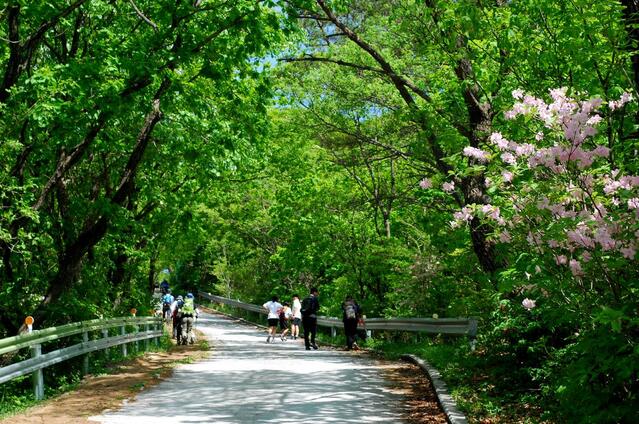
<point>246,380</point>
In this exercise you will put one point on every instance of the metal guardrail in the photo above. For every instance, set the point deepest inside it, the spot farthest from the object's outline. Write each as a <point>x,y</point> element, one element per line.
<point>460,326</point>
<point>39,361</point>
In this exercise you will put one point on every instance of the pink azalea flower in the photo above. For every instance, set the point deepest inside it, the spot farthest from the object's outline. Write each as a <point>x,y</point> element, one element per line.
<point>448,187</point>
<point>498,140</point>
<point>478,154</point>
<point>528,304</point>
<point>628,252</point>
<point>633,203</point>
<point>575,268</point>
<point>507,176</point>
<point>425,183</point>
<point>509,158</point>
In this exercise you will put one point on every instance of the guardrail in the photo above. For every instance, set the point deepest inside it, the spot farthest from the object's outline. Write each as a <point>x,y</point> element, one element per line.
<point>39,361</point>
<point>460,326</point>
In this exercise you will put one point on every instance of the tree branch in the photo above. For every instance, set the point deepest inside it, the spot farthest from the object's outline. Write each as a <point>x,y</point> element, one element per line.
<point>143,17</point>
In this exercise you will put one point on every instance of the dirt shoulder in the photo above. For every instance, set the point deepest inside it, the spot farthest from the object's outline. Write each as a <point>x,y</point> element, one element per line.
<point>98,393</point>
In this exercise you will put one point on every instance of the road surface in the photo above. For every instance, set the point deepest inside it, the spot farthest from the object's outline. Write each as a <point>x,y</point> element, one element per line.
<point>246,380</point>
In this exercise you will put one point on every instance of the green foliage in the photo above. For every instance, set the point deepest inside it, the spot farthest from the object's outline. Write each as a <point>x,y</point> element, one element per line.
<point>289,155</point>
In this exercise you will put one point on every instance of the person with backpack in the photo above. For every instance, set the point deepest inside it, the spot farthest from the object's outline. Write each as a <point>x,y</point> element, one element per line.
<point>273,307</point>
<point>350,316</point>
<point>310,308</point>
<point>167,300</point>
<point>164,287</point>
<point>176,314</point>
<point>297,317</point>
<point>188,312</point>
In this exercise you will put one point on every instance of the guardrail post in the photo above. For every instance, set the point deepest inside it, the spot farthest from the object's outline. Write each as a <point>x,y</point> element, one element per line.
<point>38,377</point>
<point>85,360</point>
<point>472,332</point>
<point>156,327</point>
<point>333,332</point>
<point>146,341</point>
<point>123,332</point>
<point>105,334</point>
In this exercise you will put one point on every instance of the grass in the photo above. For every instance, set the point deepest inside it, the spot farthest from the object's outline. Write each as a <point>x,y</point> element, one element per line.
<point>470,381</point>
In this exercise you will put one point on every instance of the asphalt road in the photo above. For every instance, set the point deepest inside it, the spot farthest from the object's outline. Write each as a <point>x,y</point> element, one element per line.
<point>246,380</point>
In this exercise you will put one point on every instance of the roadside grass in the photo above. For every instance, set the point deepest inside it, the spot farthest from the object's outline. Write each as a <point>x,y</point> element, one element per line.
<point>470,380</point>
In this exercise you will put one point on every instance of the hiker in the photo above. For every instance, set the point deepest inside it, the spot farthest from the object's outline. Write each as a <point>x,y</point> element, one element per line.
<point>176,314</point>
<point>285,318</point>
<point>309,309</point>
<point>164,287</point>
<point>188,312</point>
<point>297,317</point>
<point>350,315</point>
<point>167,300</point>
<point>273,307</point>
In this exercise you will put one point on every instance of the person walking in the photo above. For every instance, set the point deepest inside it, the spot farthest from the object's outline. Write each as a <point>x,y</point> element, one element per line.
<point>188,312</point>
<point>310,308</point>
<point>285,318</point>
<point>176,313</point>
<point>297,317</point>
<point>273,307</point>
<point>350,315</point>
<point>167,300</point>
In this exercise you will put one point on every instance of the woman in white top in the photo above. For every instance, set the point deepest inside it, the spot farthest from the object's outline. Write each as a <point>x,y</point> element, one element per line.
<point>297,317</point>
<point>273,307</point>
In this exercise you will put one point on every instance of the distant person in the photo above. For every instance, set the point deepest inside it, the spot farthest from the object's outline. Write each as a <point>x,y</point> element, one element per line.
<point>273,307</point>
<point>296,316</point>
<point>350,316</point>
<point>164,287</point>
<point>188,314</point>
<point>167,300</point>
<point>310,308</point>
<point>285,318</point>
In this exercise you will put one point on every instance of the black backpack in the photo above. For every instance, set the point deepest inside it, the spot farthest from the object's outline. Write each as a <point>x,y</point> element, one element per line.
<point>307,306</point>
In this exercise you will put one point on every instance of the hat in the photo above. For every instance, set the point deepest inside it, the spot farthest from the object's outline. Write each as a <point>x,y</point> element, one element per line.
<point>189,295</point>
<point>180,298</point>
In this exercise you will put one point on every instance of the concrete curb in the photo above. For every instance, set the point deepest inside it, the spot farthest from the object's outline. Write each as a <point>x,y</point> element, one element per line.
<point>445,400</point>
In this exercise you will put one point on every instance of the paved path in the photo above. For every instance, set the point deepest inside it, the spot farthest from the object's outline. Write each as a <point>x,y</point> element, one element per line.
<point>248,381</point>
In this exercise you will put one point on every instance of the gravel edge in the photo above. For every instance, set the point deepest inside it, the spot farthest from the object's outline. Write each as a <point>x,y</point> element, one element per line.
<point>445,400</point>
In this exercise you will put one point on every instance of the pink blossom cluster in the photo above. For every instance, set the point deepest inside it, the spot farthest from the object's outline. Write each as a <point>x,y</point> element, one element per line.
<point>480,155</point>
<point>425,183</point>
<point>591,214</point>
<point>468,212</point>
<point>618,104</point>
<point>575,120</point>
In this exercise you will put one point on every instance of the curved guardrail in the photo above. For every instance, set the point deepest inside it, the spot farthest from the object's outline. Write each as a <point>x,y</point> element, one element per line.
<point>460,326</point>
<point>39,361</point>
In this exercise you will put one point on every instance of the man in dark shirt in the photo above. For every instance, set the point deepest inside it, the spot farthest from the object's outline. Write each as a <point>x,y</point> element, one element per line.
<point>310,307</point>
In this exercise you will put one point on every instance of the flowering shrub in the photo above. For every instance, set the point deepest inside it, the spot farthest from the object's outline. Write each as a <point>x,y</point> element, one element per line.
<point>557,188</point>
<point>564,212</point>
